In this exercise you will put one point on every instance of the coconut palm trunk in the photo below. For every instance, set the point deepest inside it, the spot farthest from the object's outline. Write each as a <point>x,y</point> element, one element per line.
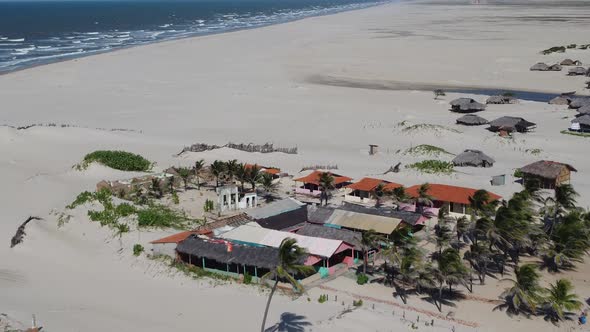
<point>272,292</point>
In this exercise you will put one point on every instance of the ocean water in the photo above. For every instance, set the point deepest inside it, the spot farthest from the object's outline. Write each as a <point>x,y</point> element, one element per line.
<point>38,32</point>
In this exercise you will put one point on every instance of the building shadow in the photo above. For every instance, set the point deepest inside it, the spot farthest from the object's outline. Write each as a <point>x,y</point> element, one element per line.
<point>290,322</point>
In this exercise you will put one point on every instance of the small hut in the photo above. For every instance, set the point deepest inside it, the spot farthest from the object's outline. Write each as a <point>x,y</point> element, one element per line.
<point>579,102</point>
<point>555,67</point>
<point>561,100</point>
<point>583,110</point>
<point>473,158</point>
<point>577,71</point>
<point>511,124</point>
<point>471,120</point>
<point>581,123</point>
<point>502,100</point>
<point>540,66</point>
<point>570,62</point>
<point>548,174</point>
<point>466,105</point>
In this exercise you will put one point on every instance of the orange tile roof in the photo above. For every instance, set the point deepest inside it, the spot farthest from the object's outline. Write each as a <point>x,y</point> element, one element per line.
<point>446,193</point>
<point>369,184</point>
<point>175,238</point>
<point>314,178</point>
<point>269,170</point>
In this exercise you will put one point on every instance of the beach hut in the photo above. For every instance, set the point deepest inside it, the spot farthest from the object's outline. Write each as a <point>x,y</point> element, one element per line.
<point>570,62</point>
<point>548,174</point>
<point>540,66</point>
<point>511,124</point>
<point>466,105</point>
<point>578,71</point>
<point>555,67</point>
<point>502,100</point>
<point>581,123</point>
<point>473,158</point>
<point>583,110</point>
<point>471,120</point>
<point>311,182</point>
<point>561,100</point>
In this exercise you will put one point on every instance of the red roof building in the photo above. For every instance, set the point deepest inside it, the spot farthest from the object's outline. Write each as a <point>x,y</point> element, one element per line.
<point>269,170</point>
<point>365,189</point>
<point>456,197</point>
<point>312,181</point>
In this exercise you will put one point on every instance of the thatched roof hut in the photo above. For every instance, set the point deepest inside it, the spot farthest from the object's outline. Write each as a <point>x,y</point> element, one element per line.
<point>548,174</point>
<point>502,100</point>
<point>540,66</point>
<point>579,102</point>
<point>473,158</point>
<point>466,105</point>
<point>511,124</point>
<point>578,71</point>
<point>472,120</point>
<point>555,67</point>
<point>561,100</point>
<point>570,62</point>
<point>583,120</point>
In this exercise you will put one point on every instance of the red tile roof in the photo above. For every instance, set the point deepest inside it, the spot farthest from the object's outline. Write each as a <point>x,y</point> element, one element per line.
<point>175,238</point>
<point>314,178</point>
<point>369,184</point>
<point>446,193</point>
<point>263,169</point>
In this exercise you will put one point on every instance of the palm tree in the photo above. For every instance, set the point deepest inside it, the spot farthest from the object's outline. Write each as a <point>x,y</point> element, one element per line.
<point>242,175</point>
<point>199,165</point>
<point>231,169</point>
<point>563,200</point>
<point>462,227</point>
<point>479,257</point>
<point>423,199</point>
<point>570,241</point>
<point>268,185</point>
<point>379,192</point>
<point>480,204</point>
<point>525,292</point>
<point>443,235</point>
<point>217,169</point>
<point>254,175</point>
<point>185,173</point>
<point>369,240</point>
<point>290,258</point>
<point>450,270</point>
<point>399,195</point>
<point>326,181</point>
<point>560,299</point>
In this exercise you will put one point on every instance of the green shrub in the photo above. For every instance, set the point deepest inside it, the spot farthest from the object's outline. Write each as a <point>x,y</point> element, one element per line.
<point>357,303</point>
<point>82,198</point>
<point>161,216</point>
<point>247,278</point>
<point>433,166</point>
<point>518,173</point>
<point>323,298</point>
<point>120,160</point>
<point>554,49</point>
<point>137,249</point>
<point>209,205</point>
<point>107,217</point>
<point>425,149</point>
<point>362,279</point>
<point>570,46</point>
<point>175,198</point>
<point>125,210</point>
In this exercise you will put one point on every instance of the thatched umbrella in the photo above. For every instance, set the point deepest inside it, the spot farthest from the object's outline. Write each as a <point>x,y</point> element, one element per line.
<point>570,62</point>
<point>473,158</point>
<point>502,100</point>
<point>560,100</point>
<point>584,110</point>
<point>540,66</point>
<point>555,67</point>
<point>578,71</point>
<point>466,105</point>
<point>511,123</point>
<point>471,120</point>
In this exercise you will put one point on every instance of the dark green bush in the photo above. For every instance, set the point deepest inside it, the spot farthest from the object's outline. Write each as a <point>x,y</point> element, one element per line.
<point>125,209</point>
<point>362,279</point>
<point>433,166</point>
<point>247,278</point>
<point>161,216</point>
<point>137,249</point>
<point>323,298</point>
<point>121,160</point>
<point>357,303</point>
<point>518,173</point>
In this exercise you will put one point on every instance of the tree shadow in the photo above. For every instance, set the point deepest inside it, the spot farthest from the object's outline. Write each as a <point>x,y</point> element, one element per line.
<point>290,322</point>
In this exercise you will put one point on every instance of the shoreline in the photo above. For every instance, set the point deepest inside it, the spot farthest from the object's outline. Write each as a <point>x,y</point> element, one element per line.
<point>195,36</point>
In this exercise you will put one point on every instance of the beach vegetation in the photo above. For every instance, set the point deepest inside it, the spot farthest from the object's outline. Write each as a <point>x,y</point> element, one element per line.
<point>438,93</point>
<point>175,198</point>
<point>209,205</point>
<point>575,133</point>
<point>247,278</point>
<point>137,249</point>
<point>362,279</point>
<point>198,169</point>
<point>357,303</point>
<point>554,49</point>
<point>560,301</point>
<point>428,127</point>
<point>432,166</point>
<point>370,239</point>
<point>161,216</point>
<point>290,257</point>
<point>571,46</point>
<point>426,149</point>
<point>326,182</point>
<point>119,160</point>
<point>323,298</point>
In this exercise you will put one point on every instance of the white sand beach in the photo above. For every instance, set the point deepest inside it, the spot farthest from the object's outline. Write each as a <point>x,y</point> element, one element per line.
<point>271,84</point>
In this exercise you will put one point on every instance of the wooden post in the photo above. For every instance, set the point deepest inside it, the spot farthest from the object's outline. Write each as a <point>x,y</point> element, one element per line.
<point>189,258</point>
<point>203,262</point>
<point>255,271</point>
